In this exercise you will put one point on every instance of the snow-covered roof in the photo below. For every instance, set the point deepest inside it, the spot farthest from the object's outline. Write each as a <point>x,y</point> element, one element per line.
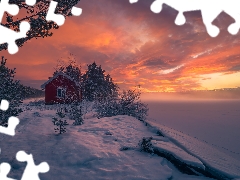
<point>58,74</point>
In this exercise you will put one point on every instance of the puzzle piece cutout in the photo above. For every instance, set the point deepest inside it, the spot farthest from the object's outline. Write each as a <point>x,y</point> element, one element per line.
<point>51,16</point>
<point>4,105</point>
<point>7,35</point>
<point>58,18</point>
<point>12,121</point>
<point>10,8</point>
<point>210,11</point>
<point>10,36</point>
<point>30,2</point>
<point>31,171</point>
<point>76,11</point>
<point>5,167</point>
<point>4,170</point>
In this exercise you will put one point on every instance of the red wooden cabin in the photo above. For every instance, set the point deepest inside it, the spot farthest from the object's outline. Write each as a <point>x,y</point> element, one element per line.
<point>61,88</point>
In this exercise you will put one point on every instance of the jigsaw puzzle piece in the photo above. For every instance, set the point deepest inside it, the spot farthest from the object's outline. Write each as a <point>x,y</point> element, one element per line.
<point>4,105</point>
<point>180,19</point>
<point>51,16</point>
<point>208,16</point>
<point>12,121</point>
<point>4,170</point>
<point>133,1</point>
<point>12,124</point>
<point>30,2</point>
<point>180,6</point>
<point>210,11</point>
<point>6,7</point>
<point>76,11</point>
<point>58,18</point>
<point>31,171</point>
<point>233,10</point>
<point>234,28</point>
<point>156,6</point>
<point>9,36</point>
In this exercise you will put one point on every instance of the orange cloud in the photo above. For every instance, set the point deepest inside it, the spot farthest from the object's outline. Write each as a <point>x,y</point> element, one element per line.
<point>135,46</point>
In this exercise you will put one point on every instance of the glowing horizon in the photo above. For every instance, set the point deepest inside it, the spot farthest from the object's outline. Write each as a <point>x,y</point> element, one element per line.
<point>137,47</point>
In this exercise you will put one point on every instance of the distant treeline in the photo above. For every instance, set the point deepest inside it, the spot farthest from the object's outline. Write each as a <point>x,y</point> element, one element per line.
<point>29,92</point>
<point>233,93</point>
<point>216,94</point>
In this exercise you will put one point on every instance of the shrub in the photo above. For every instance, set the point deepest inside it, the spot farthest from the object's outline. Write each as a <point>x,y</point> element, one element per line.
<point>127,103</point>
<point>59,122</point>
<point>146,145</point>
<point>76,114</point>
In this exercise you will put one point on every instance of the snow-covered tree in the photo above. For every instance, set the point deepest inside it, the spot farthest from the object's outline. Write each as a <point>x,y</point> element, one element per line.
<point>97,85</point>
<point>76,113</point>
<point>71,68</point>
<point>60,122</point>
<point>36,16</point>
<point>127,103</point>
<point>10,90</point>
<point>111,88</point>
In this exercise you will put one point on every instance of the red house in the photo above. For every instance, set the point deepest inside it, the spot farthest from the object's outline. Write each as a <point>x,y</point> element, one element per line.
<point>61,88</point>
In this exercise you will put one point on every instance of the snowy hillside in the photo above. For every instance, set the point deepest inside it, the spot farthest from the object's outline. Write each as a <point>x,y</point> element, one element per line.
<point>107,148</point>
<point>217,163</point>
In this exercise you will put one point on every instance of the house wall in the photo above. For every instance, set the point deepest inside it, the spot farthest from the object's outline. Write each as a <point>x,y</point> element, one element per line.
<point>72,91</point>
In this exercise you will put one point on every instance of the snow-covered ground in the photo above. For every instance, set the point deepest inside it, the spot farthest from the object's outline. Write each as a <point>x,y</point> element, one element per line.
<point>107,148</point>
<point>215,161</point>
<point>213,121</point>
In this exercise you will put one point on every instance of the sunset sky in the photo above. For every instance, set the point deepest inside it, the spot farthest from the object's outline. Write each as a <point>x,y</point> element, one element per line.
<point>136,46</point>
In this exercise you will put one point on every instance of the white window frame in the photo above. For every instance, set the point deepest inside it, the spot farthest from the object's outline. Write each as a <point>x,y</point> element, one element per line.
<point>63,92</point>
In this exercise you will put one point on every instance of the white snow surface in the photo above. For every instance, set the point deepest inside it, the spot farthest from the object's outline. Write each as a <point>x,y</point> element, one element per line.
<point>92,150</point>
<point>178,153</point>
<point>219,161</point>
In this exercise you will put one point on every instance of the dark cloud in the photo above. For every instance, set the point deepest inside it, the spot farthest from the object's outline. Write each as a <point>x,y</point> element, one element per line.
<point>235,68</point>
<point>156,62</point>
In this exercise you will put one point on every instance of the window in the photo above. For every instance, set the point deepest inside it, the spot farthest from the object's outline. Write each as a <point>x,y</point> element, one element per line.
<point>61,92</point>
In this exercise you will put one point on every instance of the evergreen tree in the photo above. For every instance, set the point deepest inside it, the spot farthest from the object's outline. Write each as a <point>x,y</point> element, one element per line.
<point>10,90</point>
<point>59,122</point>
<point>71,69</point>
<point>73,72</point>
<point>96,85</point>
<point>76,114</point>
<point>111,88</point>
